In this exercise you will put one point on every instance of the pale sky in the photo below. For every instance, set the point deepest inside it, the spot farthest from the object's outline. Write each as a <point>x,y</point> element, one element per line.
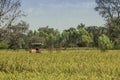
<point>61,14</point>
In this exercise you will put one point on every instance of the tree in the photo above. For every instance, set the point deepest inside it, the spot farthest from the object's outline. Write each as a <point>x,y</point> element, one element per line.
<point>108,8</point>
<point>70,37</point>
<point>9,11</point>
<point>50,40</point>
<point>104,43</point>
<point>59,42</point>
<point>81,25</point>
<point>48,30</point>
<point>16,35</point>
<point>30,33</point>
<point>45,33</point>
<point>114,30</point>
<point>65,36</point>
<point>84,38</point>
<point>96,32</point>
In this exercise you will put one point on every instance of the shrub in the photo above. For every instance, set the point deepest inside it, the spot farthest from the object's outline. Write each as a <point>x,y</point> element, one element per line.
<point>3,45</point>
<point>86,40</point>
<point>104,43</point>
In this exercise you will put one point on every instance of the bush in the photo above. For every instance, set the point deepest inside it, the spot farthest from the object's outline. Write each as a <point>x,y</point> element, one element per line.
<point>3,45</point>
<point>86,40</point>
<point>104,43</point>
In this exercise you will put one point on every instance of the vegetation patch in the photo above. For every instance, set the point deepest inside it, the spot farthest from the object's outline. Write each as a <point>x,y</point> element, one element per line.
<point>69,65</point>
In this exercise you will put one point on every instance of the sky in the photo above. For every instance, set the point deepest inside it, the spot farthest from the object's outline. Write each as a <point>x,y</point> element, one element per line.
<point>61,14</point>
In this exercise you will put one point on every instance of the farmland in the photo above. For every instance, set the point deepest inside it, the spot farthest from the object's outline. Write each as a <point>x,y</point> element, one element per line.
<point>67,65</point>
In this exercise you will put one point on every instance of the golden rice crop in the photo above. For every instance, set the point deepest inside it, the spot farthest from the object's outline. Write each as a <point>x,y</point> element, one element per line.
<point>67,65</point>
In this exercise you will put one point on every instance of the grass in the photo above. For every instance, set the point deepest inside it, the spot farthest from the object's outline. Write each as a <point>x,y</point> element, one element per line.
<point>68,65</point>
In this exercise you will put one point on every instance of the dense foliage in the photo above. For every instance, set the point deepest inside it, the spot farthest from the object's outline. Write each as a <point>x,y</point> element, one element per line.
<point>20,37</point>
<point>16,35</point>
<point>104,43</point>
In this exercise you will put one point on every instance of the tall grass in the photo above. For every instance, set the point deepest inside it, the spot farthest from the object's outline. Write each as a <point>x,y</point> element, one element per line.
<point>67,65</point>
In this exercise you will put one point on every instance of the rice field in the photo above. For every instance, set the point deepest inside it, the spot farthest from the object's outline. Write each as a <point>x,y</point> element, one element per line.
<point>67,65</point>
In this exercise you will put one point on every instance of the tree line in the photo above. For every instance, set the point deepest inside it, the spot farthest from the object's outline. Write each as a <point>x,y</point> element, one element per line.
<point>17,35</point>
